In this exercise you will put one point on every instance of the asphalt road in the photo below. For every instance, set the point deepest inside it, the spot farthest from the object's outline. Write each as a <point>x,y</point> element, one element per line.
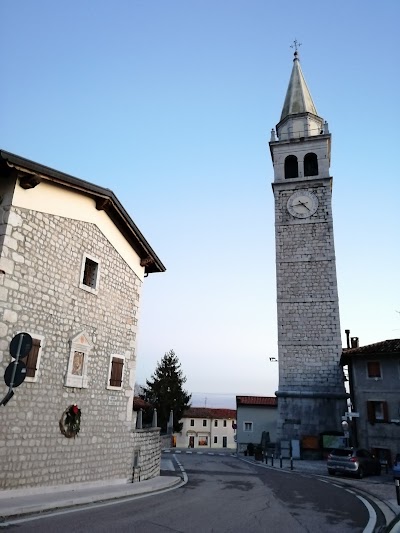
<point>223,494</point>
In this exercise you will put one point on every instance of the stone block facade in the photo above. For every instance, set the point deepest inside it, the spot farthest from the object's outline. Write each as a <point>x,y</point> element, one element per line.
<point>147,454</point>
<point>83,329</point>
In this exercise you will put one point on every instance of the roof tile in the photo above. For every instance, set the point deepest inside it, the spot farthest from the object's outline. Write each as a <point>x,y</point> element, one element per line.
<point>209,412</point>
<point>384,347</point>
<point>257,400</point>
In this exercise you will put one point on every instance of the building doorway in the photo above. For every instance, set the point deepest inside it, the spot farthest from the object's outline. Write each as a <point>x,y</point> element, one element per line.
<point>224,442</point>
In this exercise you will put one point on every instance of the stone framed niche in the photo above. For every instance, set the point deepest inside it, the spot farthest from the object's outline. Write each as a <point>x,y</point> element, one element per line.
<point>80,347</point>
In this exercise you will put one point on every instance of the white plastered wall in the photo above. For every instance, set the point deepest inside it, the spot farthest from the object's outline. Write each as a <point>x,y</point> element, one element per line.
<point>51,199</point>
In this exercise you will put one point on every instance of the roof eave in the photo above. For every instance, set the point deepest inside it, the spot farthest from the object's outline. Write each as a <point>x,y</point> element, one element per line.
<point>105,200</point>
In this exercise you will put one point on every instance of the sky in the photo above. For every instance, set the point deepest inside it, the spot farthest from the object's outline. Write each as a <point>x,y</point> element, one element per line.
<point>170,104</point>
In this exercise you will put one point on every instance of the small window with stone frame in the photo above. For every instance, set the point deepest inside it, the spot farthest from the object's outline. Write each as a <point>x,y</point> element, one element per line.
<point>90,274</point>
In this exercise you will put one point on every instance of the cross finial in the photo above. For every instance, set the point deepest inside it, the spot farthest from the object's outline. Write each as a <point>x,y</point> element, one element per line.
<point>296,45</point>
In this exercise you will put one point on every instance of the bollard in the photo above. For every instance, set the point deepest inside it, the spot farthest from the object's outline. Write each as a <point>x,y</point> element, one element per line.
<point>272,460</point>
<point>291,463</point>
<point>266,459</point>
<point>397,483</point>
<point>280,459</point>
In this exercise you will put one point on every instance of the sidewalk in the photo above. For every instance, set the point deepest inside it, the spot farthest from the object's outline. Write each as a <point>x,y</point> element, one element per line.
<point>41,499</point>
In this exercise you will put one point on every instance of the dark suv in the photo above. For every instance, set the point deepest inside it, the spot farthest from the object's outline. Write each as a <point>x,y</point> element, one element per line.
<point>356,461</point>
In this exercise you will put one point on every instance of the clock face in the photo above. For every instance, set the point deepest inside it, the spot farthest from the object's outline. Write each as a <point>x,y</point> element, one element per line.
<point>302,204</point>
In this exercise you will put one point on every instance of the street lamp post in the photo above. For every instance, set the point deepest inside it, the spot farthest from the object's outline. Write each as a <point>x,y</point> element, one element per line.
<point>346,431</point>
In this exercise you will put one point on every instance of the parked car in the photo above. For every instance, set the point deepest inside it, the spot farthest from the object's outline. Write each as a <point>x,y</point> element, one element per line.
<point>355,461</point>
<point>396,467</point>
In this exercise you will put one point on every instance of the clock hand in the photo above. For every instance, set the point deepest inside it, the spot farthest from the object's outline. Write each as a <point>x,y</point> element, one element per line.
<point>302,203</point>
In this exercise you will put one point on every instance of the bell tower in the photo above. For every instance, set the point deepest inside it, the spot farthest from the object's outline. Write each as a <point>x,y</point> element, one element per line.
<point>311,394</point>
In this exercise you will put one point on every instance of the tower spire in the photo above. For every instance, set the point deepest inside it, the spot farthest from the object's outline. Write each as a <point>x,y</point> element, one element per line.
<point>298,97</point>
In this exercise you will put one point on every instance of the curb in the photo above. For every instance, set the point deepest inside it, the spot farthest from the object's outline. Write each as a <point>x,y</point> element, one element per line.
<point>130,492</point>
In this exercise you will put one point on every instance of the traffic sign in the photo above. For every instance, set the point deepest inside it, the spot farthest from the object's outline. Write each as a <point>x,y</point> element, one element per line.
<point>20,373</point>
<point>26,345</point>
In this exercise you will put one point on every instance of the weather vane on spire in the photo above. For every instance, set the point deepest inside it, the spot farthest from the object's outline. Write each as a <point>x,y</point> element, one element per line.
<point>296,45</point>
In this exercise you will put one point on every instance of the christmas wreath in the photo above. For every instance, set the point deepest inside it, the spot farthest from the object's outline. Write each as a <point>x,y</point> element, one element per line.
<point>70,421</point>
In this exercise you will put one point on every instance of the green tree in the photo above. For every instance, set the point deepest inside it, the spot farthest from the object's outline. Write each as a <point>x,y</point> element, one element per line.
<point>164,391</point>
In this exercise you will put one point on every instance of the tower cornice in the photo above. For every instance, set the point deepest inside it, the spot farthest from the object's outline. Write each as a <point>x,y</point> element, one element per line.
<point>299,183</point>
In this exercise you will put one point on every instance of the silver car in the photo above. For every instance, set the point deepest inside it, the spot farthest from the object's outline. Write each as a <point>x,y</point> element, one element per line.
<point>355,461</point>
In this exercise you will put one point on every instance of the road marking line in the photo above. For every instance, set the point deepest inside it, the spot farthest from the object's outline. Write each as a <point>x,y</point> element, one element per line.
<point>185,477</point>
<point>372,514</point>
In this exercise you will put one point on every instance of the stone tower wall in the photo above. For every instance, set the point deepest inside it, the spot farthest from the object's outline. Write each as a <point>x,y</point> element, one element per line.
<point>308,315</point>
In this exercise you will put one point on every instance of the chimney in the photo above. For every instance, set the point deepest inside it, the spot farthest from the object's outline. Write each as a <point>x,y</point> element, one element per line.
<point>354,342</point>
<point>347,331</point>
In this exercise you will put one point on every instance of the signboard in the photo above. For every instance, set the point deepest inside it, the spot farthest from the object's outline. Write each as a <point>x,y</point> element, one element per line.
<point>23,339</point>
<point>310,442</point>
<point>113,400</point>
<point>333,441</point>
<point>19,376</point>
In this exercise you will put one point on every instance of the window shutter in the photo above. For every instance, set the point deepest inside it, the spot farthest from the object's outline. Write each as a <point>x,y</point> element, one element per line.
<point>117,366</point>
<point>385,412</point>
<point>374,369</point>
<point>371,412</point>
<point>31,360</point>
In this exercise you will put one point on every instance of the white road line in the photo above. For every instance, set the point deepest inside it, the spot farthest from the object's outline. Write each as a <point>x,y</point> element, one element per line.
<point>185,478</point>
<point>372,514</point>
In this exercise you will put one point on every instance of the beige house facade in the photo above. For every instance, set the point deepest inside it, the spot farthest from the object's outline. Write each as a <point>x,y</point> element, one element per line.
<point>207,428</point>
<point>72,265</point>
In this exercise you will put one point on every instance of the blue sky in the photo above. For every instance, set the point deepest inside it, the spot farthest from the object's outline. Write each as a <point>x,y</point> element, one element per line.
<point>170,104</point>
